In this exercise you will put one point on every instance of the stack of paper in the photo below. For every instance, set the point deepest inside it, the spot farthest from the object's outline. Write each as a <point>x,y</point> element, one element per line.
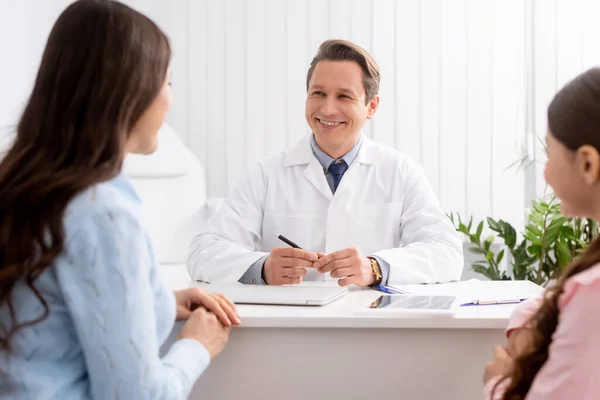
<point>477,291</point>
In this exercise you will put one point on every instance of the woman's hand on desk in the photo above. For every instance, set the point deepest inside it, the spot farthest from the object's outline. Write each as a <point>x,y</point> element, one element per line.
<point>189,299</point>
<point>204,327</point>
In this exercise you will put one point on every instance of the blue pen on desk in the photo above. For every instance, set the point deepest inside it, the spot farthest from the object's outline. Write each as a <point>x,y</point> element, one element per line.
<point>387,290</point>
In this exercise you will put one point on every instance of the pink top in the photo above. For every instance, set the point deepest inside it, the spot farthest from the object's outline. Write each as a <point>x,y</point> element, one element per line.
<point>572,370</point>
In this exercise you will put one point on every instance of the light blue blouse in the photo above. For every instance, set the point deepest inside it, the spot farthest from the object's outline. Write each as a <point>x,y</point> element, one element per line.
<point>109,314</point>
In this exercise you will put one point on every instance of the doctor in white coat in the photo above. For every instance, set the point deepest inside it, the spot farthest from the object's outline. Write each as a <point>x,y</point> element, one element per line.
<point>361,212</point>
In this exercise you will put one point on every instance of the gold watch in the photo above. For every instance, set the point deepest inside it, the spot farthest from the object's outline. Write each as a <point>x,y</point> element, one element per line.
<point>376,270</point>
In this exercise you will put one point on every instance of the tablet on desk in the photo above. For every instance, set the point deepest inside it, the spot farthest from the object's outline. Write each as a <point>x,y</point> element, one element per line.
<point>277,295</point>
<point>415,304</point>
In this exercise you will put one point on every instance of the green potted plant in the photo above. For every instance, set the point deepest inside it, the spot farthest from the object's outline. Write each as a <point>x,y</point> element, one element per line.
<point>542,251</point>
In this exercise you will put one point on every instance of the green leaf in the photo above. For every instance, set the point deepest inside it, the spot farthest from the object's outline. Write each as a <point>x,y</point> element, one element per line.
<point>495,226</point>
<point>474,239</point>
<point>551,234</point>
<point>563,254</point>
<point>536,218</point>
<point>485,271</point>
<point>535,249</point>
<point>555,208</point>
<point>476,250</point>
<point>567,232</point>
<point>510,235</point>
<point>479,229</point>
<point>500,256</point>
<point>532,238</point>
<point>521,268</point>
<point>534,230</point>
<point>504,277</point>
<point>540,207</point>
<point>488,242</point>
<point>558,222</point>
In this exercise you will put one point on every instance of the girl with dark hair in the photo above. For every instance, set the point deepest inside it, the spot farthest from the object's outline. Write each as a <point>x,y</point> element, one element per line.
<point>554,342</point>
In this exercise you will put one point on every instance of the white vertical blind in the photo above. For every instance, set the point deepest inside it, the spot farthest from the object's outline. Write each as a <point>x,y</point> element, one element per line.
<point>453,88</point>
<point>565,43</point>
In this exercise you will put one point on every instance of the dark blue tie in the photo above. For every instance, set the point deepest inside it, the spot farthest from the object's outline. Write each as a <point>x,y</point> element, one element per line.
<point>337,169</point>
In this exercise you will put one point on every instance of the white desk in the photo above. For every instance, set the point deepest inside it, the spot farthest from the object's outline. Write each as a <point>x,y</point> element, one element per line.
<point>313,353</point>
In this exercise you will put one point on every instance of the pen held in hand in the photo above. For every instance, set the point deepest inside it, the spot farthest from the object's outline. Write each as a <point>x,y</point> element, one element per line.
<point>294,245</point>
<point>288,242</point>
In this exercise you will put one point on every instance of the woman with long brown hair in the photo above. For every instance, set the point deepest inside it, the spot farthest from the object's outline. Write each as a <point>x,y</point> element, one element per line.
<point>82,311</point>
<point>555,349</point>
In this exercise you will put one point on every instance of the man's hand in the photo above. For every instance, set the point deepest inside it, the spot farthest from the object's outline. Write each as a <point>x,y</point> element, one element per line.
<point>348,264</point>
<point>190,299</point>
<point>287,266</point>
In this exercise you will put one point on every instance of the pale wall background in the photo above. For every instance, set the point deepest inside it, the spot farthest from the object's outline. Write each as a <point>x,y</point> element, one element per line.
<point>465,83</point>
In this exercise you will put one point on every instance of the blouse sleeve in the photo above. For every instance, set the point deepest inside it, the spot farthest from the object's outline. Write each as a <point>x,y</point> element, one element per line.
<point>107,289</point>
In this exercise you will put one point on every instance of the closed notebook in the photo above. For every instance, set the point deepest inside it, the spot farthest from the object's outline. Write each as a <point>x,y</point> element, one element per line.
<point>299,295</point>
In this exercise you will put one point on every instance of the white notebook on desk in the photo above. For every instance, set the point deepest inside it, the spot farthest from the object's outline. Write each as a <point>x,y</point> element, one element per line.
<point>477,291</point>
<point>277,295</point>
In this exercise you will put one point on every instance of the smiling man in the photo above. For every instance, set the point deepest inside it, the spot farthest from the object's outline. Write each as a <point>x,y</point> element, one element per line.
<point>362,213</point>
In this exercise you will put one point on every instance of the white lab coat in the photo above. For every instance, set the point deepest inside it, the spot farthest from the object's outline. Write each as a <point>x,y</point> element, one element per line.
<point>383,206</point>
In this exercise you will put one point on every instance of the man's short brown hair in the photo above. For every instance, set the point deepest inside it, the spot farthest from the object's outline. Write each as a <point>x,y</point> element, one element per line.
<point>343,50</point>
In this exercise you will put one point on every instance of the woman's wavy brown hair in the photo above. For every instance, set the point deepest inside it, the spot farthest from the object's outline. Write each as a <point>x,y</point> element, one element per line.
<point>103,66</point>
<point>574,120</point>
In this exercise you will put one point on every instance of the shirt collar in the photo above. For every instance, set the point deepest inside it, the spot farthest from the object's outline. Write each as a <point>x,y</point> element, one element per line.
<point>326,160</point>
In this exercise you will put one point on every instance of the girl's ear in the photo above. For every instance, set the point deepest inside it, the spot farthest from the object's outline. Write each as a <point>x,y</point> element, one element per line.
<point>587,163</point>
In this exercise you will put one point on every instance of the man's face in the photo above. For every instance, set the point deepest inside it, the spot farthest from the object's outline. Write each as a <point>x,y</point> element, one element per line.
<point>336,109</point>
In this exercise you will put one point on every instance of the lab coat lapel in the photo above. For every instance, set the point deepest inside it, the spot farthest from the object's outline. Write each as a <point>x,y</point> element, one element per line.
<point>315,175</point>
<point>302,154</point>
<point>356,176</point>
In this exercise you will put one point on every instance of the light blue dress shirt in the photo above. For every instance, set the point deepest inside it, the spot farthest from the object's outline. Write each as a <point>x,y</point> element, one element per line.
<point>254,274</point>
<point>326,160</point>
<point>109,314</point>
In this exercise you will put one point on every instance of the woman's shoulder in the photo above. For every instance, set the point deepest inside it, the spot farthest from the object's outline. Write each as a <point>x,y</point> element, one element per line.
<point>523,313</point>
<point>114,200</point>
<point>588,281</point>
<point>103,223</point>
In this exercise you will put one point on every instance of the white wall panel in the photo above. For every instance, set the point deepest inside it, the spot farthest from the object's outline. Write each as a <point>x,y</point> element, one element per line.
<point>454,89</point>
<point>453,107</point>
<point>430,17</point>
<point>508,107</point>
<point>479,112</point>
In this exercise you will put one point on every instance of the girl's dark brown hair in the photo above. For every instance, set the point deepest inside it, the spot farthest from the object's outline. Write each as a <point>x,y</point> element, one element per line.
<point>103,66</point>
<point>574,120</point>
